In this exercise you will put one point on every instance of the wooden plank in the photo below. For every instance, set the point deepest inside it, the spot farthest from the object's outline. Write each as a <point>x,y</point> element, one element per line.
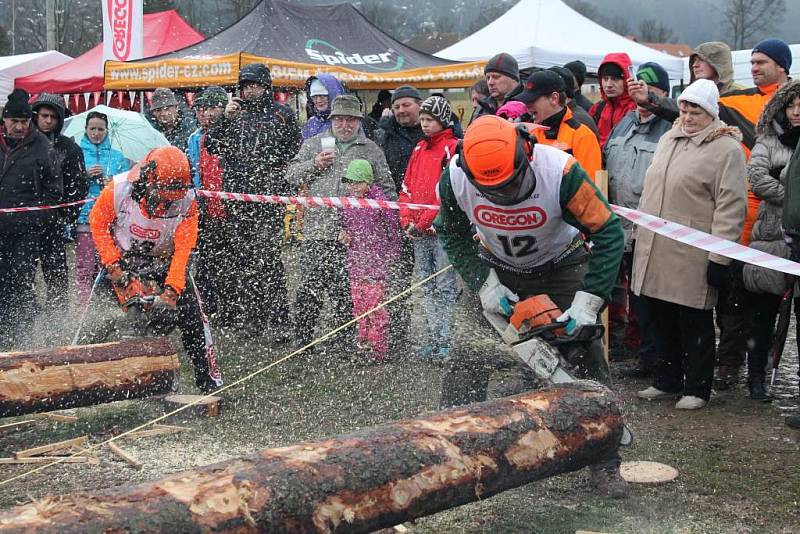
<point>46,460</point>
<point>601,180</point>
<point>18,424</point>
<point>52,447</point>
<point>176,428</point>
<point>120,452</point>
<point>152,432</point>
<point>57,417</point>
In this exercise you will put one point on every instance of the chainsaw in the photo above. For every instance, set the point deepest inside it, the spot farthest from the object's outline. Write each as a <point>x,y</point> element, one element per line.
<point>141,319</point>
<point>553,355</point>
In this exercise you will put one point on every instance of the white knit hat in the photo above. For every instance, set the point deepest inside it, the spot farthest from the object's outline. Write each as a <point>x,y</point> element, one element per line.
<point>703,93</point>
<point>318,88</point>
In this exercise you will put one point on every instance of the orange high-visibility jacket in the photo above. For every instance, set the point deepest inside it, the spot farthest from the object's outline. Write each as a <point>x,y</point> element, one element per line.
<point>577,139</point>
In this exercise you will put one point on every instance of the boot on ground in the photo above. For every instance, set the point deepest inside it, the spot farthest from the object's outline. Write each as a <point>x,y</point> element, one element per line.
<point>793,421</point>
<point>726,377</point>
<point>608,482</point>
<point>758,390</point>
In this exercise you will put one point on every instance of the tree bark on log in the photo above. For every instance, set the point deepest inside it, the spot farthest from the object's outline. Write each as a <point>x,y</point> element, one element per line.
<point>362,481</point>
<point>83,375</point>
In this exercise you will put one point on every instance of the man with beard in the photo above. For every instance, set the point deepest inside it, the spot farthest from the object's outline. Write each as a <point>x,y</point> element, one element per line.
<point>48,112</point>
<point>256,138</point>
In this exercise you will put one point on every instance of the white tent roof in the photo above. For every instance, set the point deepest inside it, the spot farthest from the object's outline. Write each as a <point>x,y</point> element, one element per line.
<point>12,67</point>
<point>546,33</point>
<point>741,66</point>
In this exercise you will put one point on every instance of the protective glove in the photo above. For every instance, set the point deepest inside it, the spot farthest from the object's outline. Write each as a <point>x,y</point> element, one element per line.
<point>127,288</point>
<point>718,276</point>
<point>168,299</point>
<point>495,297</point>
<point>582,312</point>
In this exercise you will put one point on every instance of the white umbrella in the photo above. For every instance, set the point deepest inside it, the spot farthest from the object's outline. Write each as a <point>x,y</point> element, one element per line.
<point>131,133</point>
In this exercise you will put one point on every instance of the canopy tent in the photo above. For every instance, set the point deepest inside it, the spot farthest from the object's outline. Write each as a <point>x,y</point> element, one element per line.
<point>296,41</point>
<point>163,32</point>
<point>547,33</point>
<point>12,67</point>
<point>741,66</point>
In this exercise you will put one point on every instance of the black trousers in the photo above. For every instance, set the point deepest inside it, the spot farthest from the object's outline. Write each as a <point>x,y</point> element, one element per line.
<point>53,258</point>
<point>211,264</point>
<point>254,289</point>
<point>734,316</point>
<point>323,272</point>
<point>765,312</point>
<point>18,255</point>
<point>685,338</point>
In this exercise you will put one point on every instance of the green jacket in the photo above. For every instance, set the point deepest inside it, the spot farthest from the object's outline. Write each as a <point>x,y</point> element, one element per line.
<point>454,229</point>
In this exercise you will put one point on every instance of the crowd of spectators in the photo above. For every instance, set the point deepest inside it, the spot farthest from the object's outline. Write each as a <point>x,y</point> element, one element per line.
<point>715,160</point>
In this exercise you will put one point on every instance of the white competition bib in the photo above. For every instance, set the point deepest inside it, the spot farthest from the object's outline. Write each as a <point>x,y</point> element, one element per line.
<point>528,234</point>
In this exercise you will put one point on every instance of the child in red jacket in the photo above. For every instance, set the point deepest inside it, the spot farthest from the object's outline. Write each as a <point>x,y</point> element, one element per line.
<point>420,186</point>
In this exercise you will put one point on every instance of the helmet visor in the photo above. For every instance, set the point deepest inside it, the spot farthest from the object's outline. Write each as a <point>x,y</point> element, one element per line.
<point>517,188</point>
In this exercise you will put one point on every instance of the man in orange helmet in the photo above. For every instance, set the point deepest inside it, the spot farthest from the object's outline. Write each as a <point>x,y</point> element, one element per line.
<point>533,208</point>
<point>144,226</point>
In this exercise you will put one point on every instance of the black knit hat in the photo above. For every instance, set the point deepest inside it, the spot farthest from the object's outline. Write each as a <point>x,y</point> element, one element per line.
<point>578,69</point>
<point>17,106</point>
<point>654,75</point>
<point>438,108</point>
<point>406,91</point>
<point>212,96</point>
<point>256,72</point>
<point>504,64</point>
<point>611,69</point>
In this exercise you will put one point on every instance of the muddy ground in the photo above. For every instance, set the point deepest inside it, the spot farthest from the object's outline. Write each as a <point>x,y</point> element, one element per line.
<point>737,460</point>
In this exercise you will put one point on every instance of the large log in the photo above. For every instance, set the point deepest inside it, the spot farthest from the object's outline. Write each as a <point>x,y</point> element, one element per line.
<point>359,482</point>
<point>84,375</point>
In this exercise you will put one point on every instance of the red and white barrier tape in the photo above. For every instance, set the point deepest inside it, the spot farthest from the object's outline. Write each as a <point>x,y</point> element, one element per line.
<point>40,208</point>
<point>312,202</point>
<point>675,231</point>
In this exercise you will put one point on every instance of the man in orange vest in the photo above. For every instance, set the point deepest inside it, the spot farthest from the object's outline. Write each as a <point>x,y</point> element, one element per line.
<point>544,93</point>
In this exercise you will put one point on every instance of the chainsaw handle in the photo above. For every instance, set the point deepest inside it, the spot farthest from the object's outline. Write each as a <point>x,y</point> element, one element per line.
<point>583,333</point>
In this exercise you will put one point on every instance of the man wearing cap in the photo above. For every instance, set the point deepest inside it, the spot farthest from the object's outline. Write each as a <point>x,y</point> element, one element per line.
<point>628,154</point>
<point>502,78</point>
<point>166,117</point>
<point>256,139</point>
<point>207,173</point>
<point>400,132</point>
<point>321,90</point>
<point>48,113</point>
<point>615,103</point>
<point>319,166</point>
<point>544,94</point>
<point>28,177</point>
<point>578,70</point>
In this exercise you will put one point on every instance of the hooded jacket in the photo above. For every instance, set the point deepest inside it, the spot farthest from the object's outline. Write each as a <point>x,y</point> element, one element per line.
<point>718,55</point>
<point>320,120</point>
<point>28,177</point>
<point>112,161</point>
<point>69,159</point>
<point>766,172</point>
<point>568,134</point>
<point>609,111</point>
<point>430,157</point>
<point>256,146</point>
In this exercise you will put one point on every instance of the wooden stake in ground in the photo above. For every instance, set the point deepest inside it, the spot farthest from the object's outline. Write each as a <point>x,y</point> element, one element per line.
<point>130,460</point>
<point>360,482</point>
<point>53,447</point>
<point>63,377</point>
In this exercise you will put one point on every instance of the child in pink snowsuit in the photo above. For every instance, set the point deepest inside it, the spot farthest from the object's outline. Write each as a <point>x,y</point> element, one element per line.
<point>373,241</point>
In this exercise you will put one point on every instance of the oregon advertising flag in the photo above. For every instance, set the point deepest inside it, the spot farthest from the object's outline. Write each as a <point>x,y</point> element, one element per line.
<point>296,41</point>
<point>123,29</point>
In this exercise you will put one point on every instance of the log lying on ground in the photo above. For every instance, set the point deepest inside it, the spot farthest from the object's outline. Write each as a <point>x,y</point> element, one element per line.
<point>84,375</point>
<point>373,478</point>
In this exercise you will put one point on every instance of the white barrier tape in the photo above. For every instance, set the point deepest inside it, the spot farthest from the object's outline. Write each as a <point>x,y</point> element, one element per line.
<point>708,242</point>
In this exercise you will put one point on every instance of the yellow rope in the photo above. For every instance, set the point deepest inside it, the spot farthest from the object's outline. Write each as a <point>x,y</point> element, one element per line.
<point>232,384</point>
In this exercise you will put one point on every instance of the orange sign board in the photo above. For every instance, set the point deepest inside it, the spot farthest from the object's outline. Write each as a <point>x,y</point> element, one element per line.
<point>224,70</point>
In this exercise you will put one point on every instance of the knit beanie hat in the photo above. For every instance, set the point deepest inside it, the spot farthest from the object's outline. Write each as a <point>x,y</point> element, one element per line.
<point>569,80</point>
<point>212,96</point>
<point>504,64</point>
<point>317,88</point>
<point>406,91</point>
<point>653,75</point>
<point>163,98</point>
<point>49,99</point>
<point>611,69</point>
<point>359,170</point>
<point>17,106</point>
<point>438,108</point>
<point>578,69</point>
<point>703,93</point>
<point>777,51</point>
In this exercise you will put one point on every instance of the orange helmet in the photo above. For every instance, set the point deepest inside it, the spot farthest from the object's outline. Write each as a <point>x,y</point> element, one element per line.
<point>168,170</point>
<point>495,156</point>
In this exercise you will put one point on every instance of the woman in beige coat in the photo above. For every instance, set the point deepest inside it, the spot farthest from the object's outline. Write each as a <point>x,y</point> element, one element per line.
<point>697,179</point>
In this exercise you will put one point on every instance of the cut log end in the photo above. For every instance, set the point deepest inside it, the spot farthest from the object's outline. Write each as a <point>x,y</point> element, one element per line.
<point>199,405</point>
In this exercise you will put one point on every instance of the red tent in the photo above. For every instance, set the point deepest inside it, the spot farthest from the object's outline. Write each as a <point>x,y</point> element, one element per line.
<point>164,32</point>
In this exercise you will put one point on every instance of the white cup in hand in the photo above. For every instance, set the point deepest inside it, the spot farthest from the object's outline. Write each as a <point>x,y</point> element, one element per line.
<point>328,143</point>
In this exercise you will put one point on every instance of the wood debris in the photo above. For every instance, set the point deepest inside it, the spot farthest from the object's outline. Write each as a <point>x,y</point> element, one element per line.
<point>121,453</point>
<point>52,447</point>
